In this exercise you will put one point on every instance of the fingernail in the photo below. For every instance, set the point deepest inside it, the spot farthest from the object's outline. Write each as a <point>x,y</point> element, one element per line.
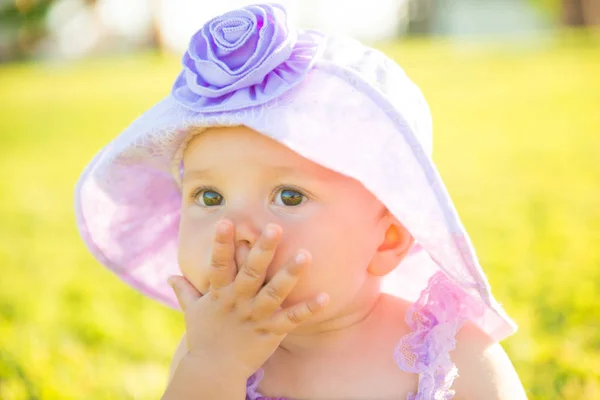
<point>322,299</point>
<point>301,258</point>
<point>170,281</point>
<point>223,228</point>
<point>270,233</point>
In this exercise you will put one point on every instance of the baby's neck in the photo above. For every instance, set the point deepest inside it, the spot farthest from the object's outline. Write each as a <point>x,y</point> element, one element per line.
<point>350,328</point>
<point>359,351</point>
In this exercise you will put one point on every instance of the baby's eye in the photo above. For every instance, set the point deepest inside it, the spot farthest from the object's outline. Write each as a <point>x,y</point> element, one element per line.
<point>289,197</point>
<point>208,198</point>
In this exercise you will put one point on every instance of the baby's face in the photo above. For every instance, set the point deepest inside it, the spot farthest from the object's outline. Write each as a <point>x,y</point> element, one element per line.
<point>241,175</point>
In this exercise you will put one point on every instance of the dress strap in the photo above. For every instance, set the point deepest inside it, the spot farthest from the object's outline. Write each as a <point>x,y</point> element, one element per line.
<point>252,385</point>
<point>252,392</point>
<point>434,319</point>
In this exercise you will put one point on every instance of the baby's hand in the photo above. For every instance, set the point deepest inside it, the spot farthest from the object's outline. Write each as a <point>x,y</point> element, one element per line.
<point>237,324</point>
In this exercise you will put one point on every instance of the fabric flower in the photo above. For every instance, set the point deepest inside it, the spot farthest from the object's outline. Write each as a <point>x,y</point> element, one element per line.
<point>243,58</point>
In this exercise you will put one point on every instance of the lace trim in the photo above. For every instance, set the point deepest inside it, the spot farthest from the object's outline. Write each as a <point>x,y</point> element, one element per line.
<point>434,319</point>
<point>252,388</point>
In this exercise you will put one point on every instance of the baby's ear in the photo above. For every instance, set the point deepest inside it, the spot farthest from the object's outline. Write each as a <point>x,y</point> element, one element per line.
<point>394,246</point>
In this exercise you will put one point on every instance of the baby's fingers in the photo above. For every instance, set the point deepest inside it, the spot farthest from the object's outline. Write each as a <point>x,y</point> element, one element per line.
<point>270,297</point>
<point>222,265</point>
<point>252,274</point>
<point>287,320</point>
<point>185,292</point>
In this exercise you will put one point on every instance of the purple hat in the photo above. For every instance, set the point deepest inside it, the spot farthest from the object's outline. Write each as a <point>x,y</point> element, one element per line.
<point>329,98</point>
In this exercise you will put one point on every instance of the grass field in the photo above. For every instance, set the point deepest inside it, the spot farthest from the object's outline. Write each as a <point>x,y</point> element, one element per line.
<point>517,140</point>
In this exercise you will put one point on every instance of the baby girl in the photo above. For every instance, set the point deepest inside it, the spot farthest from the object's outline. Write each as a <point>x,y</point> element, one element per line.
<point>285,190</point>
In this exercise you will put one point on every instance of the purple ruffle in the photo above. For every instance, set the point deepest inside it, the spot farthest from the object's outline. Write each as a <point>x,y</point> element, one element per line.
<point>435,318</point>
<point>252,388</point>
<point>243,58</point>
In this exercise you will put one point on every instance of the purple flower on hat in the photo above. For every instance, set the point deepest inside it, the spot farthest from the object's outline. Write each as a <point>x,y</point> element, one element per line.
<point>243,58</point>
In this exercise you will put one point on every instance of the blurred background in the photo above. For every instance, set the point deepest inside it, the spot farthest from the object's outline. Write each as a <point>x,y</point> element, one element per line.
<point>514,88</point>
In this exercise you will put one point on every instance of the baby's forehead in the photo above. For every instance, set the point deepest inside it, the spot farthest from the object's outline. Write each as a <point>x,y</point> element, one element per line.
<point>243,147</point>
<point>225,151</point>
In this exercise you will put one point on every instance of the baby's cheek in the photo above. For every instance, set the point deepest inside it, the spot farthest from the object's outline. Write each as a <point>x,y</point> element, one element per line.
<point>194,254</point>
<point>308,237</point>
<point>333,257</point>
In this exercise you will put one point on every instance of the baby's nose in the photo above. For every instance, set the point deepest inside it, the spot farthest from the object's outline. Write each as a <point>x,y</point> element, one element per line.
<point>247,233</point>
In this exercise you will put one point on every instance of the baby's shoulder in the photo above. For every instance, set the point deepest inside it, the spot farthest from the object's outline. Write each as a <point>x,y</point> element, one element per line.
<point>485,371</point>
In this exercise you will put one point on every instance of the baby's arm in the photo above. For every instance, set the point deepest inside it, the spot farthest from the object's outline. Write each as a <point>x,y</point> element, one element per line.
<point>185,379</point>
<point>194,378</point>
<point>485,371</point>
<point>180,352</point>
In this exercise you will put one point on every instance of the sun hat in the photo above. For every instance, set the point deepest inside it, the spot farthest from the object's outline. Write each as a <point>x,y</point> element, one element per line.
<point>329,98</point>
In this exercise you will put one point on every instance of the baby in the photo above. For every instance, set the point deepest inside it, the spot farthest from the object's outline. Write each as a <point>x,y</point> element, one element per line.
<point>288,178</point>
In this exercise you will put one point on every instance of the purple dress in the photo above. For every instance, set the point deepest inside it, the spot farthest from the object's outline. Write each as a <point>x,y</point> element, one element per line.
<point>434,320</point>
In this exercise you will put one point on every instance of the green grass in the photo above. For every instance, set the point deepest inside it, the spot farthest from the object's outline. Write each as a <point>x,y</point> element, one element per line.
<point>517,138</point>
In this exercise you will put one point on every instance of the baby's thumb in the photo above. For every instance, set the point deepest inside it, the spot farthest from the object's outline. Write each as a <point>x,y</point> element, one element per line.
<point>185,292</point>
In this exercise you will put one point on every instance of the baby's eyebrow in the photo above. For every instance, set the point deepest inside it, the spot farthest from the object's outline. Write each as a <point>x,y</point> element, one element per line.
<point>208,171</point>
<point>197,173</point>
<point>288,171</point>
<point>284,170</point>
<point>298,172</point>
